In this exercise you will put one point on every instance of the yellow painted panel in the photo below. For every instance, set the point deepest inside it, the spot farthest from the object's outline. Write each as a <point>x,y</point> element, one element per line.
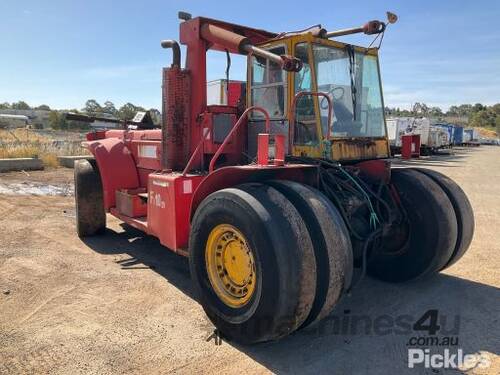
<point>360,149</point>
<point>309,151</point>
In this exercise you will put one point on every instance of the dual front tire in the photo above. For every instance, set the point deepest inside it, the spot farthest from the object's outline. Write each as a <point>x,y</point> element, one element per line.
<point>436,232</point>
<point>262,267</point>
<point>271,258</point>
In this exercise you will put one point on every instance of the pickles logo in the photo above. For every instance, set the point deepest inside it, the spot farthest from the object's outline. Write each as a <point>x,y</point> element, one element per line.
<point>448,360</point>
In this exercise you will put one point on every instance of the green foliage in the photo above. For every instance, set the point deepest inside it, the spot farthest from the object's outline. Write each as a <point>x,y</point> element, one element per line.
<point>484,118</point>
<point>20,105</point>
<point>92,107</point>
<point>110,108</point>
<point>128,111</point>
<point>496,108</point>
<point>4,105</point>
<point>125,112</point>
<point>57,121</point>
<point>478,115</point>
<point>43,107</point>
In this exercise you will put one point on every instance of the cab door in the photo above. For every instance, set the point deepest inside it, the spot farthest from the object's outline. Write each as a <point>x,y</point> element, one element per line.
<point>308,122</point>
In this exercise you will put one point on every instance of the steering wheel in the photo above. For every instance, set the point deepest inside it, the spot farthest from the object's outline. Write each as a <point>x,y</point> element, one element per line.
<point>324,102</point>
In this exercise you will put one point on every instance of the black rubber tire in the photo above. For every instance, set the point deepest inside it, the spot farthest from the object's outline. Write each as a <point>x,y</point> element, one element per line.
<point>432,231</point>
<point>463,212</point>
<point>331,241</point>
<point>284,256</point>
<point>89,200</point>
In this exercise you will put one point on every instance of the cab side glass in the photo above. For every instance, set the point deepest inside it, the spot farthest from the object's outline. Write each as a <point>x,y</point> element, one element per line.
<point>305,130</point>
<point>268,88</point>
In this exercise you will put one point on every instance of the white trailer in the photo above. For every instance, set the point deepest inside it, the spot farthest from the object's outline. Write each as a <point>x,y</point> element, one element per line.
<point>396,127</point>
<point>467,135</point>
<point>421,126</point>
<point>438,137</point>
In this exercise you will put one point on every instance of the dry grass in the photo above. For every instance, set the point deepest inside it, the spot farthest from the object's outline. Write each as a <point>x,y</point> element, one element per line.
<point>18,151</point>
<point>50,160</point>
<point>487,132</point>
<point>23,143</point>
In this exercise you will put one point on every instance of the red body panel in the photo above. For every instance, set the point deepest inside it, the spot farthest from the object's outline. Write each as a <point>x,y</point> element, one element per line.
<point>169,200</point>
<point>117,167</point>
<point>236,93</point>
<point>231,176</point>
<point>147,154</point>
<point>376,170</point>
<point>133,159</point>
<point>130,204</point>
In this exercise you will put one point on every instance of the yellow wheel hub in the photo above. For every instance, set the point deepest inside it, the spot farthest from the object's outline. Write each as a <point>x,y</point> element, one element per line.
<point>230,265</point>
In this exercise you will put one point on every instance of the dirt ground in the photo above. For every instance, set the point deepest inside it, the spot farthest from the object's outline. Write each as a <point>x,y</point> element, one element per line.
<point>121,303</point>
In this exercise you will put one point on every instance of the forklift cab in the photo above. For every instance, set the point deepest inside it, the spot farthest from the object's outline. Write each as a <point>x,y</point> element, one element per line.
<point>339,113</point>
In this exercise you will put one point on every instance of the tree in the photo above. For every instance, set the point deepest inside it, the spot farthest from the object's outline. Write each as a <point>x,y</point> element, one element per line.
<point>435,112</point>
<point>43,107</point>
<point>483,118</point>
<point>92,107</point>
<point>4,105</point>
<point>420,109</point>
<point>496,109</point>
<point>478,107</point>
<point>20,105</point>
<point>57,120</point>
<point>452,111</point>
<point>464,110</point>
<point>128,111</point>
<point>109,108</point>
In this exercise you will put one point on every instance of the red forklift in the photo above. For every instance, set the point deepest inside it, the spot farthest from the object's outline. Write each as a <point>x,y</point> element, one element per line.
<point>274,200</point>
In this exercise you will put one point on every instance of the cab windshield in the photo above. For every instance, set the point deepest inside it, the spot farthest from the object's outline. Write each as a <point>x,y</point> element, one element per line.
<point>352,81</point>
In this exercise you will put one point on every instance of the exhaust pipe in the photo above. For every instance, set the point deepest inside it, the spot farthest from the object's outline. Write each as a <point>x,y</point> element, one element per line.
<point>176,51</point>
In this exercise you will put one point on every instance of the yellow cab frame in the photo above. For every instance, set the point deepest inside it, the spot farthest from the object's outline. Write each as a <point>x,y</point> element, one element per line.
<point>341,148</point>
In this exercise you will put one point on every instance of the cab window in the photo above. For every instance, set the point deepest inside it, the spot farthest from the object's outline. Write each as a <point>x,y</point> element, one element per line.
<point>305,131</point>
<point>268,89</point>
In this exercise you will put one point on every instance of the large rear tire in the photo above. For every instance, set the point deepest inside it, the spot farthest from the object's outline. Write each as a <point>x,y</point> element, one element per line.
<point>332,245</point>
<point>425,243</point>
<point>463,212</point>
<point>252,262</point>
<point>89,201</point>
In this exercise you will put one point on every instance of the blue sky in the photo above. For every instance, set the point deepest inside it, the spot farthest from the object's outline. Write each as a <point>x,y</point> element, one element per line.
<point>63,52</point>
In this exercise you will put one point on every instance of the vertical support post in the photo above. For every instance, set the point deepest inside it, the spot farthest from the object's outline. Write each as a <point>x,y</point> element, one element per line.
<point>279,149</point>
<point>263,149</point>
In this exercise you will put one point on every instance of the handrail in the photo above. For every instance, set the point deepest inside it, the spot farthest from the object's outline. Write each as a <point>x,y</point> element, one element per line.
<point>234,129</point>
<point>196,151</point>
<point>291,128</point>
